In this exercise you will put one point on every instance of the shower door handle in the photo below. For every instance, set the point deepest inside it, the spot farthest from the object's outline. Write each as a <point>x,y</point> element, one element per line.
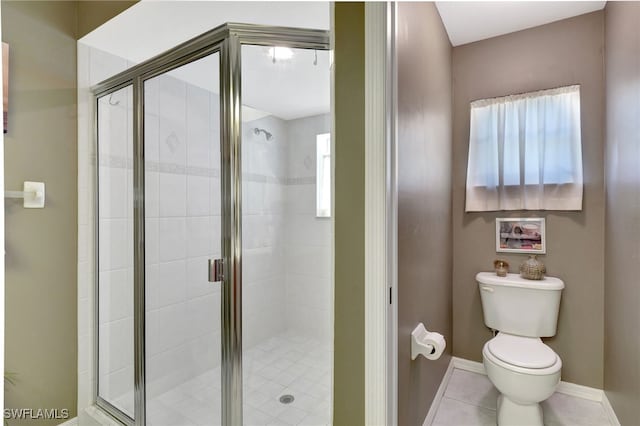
<point>216,270</point>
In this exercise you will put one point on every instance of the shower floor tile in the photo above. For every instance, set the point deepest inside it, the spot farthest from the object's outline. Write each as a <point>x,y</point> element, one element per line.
<point>287,364</point>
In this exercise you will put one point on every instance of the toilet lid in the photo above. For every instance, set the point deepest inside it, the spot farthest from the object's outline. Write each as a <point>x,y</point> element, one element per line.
<point>527,352</point>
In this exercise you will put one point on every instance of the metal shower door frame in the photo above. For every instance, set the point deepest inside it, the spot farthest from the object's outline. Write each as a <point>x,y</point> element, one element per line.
<point>227,40</point>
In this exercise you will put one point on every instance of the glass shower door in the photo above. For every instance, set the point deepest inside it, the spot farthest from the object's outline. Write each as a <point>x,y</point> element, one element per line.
<point>182,232</point>
<point>115,250</point>
<point>287,328</point>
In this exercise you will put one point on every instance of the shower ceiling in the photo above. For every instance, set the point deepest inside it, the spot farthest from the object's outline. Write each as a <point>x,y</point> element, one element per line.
<point>151,27</point>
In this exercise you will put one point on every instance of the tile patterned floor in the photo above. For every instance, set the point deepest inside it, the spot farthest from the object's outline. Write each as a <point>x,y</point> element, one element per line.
<point>470,400</point>
<point>286,364</point>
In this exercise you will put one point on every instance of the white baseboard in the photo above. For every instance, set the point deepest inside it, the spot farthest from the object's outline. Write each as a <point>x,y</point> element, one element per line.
<point>611,415</point>
<point>580,391</point>
<point>94,416</point>
<point>70,422</point>
<point>439,394</point>
<point>571,389</point>
<point>468,365</point>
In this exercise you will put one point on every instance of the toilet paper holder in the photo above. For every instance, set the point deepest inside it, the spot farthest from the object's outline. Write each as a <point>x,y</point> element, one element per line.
<point>429,344</point>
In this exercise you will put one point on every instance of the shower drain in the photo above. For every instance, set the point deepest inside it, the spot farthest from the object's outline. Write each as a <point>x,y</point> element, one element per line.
<point>286,399</point>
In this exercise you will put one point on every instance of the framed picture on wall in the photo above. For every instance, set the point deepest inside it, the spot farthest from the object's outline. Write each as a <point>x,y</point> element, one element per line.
<point>521,235</point>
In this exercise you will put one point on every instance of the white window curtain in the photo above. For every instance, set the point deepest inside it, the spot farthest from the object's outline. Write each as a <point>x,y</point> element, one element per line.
<point>525,152</point>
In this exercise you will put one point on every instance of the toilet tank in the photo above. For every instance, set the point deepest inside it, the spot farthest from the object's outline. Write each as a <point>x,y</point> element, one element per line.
<point>518,306</point>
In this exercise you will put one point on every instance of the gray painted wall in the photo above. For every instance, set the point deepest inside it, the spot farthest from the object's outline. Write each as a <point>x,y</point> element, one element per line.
<point>557,54</point>
<point>41,333</point>
<point>622,292</point>
<point>424,201</point>
<point>41,245</point>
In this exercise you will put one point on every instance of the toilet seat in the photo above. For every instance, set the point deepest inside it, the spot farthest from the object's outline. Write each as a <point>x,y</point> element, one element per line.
<point>526,352</point>
<point>517,353</point>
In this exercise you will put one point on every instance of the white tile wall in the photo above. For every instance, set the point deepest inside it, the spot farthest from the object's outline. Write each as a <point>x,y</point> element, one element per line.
<point>115,202</point>
<point>263,267</point>
<point>172,237</point>
<point>286,250</point>
<point>183,231</point>
<point>308,239</point>
<point>115,267</point>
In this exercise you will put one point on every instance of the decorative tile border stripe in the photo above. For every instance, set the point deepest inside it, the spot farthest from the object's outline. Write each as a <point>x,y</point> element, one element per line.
<point>116,162</point>
<point>255,177</point>
<point>307,180</point>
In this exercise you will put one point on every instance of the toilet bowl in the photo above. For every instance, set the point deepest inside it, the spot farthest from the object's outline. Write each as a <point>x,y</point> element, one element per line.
<point>526,372</point>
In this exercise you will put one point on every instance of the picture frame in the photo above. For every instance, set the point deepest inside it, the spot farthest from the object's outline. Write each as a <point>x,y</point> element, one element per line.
<point>521,235</point>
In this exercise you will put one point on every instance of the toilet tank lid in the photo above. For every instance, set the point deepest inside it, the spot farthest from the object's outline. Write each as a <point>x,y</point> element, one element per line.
<point>515,280</point>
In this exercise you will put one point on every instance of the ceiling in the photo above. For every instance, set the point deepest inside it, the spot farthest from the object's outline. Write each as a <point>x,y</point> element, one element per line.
<point>288,89</point>
<point>469,21</point>
<point>294,88</point>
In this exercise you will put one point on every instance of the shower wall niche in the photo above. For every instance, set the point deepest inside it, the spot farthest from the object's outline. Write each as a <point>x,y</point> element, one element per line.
<point>286,273</point>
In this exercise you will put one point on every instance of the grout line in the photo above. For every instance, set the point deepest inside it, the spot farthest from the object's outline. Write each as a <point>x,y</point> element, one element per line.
<point>469,403</point>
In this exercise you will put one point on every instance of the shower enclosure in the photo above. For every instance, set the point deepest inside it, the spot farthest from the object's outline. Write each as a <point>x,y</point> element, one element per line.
<point>213,288</point>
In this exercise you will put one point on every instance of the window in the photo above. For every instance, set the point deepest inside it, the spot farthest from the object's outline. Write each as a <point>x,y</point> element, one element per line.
<point>323,175</point>
<point>525,152</point>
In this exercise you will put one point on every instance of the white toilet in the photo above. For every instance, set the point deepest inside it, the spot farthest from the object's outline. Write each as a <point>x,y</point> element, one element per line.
<point>521,367</point>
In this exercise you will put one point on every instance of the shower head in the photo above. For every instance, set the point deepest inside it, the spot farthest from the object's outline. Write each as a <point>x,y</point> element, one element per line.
<point>267,135</point>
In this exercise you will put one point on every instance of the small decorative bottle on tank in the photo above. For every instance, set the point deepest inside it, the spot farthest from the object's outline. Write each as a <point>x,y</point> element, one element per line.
<point>532,269</point>
<point>501,267</point>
